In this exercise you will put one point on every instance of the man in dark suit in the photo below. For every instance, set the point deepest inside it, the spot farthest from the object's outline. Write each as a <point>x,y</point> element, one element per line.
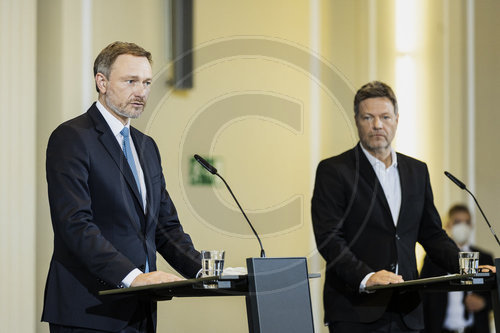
<point>457,311</point>
<point>369,208</point>
<point>110,210</point>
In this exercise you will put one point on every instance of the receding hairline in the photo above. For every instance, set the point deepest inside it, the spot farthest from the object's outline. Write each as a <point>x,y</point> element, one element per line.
<point>106,59</point>
<point>126,55</point>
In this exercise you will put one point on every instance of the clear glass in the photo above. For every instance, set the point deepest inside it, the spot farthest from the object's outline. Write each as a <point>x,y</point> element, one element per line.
<point>469,263</point>
<point>212,264</point>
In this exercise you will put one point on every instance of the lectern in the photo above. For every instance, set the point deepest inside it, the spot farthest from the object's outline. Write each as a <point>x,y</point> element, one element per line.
<point>276,291</point>
<point>454,282</point>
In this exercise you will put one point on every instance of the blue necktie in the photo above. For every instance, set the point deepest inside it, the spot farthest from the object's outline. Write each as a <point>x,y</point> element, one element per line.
<point>130,159</point>
<point>129,156</point>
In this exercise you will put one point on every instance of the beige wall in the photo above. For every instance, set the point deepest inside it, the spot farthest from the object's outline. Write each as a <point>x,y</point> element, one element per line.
<point>254,147</point>
<point>269,159</point>
<point>487,69</point>
<point>17,165</point>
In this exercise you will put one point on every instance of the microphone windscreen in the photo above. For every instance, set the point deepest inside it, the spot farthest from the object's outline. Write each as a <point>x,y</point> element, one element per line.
<point>455,180</point>
<point>205,164</point>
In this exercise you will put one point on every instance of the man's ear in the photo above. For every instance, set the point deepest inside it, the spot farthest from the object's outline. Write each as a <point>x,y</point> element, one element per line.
<point>101,82</point>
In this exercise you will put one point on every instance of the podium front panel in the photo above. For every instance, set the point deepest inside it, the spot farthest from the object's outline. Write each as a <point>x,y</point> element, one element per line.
<point>278,297</point>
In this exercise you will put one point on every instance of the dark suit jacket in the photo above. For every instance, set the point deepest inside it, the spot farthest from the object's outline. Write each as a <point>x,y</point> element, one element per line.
<point>356,235</point>
<point>436,304</point>
<point>101,232</point>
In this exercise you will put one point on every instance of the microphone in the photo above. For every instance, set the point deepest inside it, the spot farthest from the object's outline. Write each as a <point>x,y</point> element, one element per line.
<point>463,187</point>
<point>213,171</point>
<point>455,180</point>
<point>205,164</point>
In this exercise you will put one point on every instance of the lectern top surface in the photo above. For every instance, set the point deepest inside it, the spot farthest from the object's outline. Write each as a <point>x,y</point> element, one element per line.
<point>167,285</point>
<point>434,280</point>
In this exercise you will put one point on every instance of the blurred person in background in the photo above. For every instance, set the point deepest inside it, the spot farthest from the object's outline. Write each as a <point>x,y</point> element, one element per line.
<point>457,311</point>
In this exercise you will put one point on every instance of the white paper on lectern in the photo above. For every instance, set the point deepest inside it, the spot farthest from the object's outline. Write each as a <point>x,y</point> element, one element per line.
<point>235,271</point>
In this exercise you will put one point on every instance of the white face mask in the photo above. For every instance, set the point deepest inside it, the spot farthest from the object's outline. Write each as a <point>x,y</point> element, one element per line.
<point>460,233</point>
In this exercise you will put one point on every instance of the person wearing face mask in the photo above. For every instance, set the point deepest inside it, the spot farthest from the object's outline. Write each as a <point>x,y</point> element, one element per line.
<point>457,311</point>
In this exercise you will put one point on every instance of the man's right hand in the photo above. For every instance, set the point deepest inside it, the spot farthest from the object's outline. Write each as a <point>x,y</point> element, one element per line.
<point>154,278</point>
<point>383,277</point>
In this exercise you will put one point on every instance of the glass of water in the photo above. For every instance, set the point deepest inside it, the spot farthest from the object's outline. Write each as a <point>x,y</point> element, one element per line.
<point>469,262</point>
<point>212,264</point>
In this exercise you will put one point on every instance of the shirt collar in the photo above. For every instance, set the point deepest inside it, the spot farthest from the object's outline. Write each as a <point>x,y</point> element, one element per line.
<point>376,162</point>
<point>113,123</point>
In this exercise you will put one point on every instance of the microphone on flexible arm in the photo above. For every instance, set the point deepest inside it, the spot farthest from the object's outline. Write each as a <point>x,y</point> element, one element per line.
<point>213,171</point>
<point>463,187</point>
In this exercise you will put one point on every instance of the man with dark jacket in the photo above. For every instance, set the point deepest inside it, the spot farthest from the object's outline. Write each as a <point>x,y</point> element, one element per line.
<point>111,212</point>
<point>369,208</point>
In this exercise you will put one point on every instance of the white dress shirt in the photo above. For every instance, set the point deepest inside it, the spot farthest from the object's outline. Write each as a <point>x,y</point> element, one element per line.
<point>116,127</point>
<point>389,179</point>
<point>391,186</point>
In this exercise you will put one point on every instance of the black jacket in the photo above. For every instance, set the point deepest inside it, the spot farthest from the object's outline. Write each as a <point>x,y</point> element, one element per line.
<point>101,232</point>
<point>356,235</point>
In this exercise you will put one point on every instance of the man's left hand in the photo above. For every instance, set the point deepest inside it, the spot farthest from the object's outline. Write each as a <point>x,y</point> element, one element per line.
<point>487,268</point>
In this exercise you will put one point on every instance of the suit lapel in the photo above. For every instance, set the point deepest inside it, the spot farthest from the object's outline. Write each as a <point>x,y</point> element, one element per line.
<point>404,181</point>
<point>111,145</point>
<point>368,174</point>
<point>140,147</point>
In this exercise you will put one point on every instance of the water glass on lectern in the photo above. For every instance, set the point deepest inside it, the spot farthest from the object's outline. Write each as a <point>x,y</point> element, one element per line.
<point>469,262</point>
<point>212,264</point>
